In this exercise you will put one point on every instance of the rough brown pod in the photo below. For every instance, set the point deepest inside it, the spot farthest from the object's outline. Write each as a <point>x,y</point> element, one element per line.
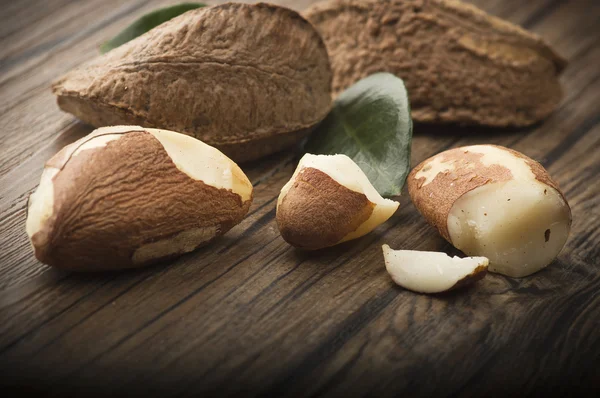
<point>459,64</point>
<point>247,79</point>
<point>127,196</point>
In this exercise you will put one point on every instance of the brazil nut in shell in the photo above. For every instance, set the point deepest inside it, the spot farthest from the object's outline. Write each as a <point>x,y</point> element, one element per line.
<point>459,64</point>
<point>127,196</point>
<point>248,79</point>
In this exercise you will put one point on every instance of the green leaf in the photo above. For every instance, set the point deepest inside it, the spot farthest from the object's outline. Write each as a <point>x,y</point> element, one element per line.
<point>147,22</point>
<point>370,122</point>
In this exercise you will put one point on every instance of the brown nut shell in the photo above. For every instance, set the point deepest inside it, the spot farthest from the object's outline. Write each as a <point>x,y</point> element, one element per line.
<point>459,64</point>
<point>247,79</point>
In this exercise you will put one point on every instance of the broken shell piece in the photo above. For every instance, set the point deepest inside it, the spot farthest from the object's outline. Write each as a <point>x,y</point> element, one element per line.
<point>432,272</point>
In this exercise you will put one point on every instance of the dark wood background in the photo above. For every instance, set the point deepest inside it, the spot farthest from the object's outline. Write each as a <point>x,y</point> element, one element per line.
<point>250,314</point>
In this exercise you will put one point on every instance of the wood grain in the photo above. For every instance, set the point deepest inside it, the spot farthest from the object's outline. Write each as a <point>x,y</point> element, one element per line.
<point>250,315</point>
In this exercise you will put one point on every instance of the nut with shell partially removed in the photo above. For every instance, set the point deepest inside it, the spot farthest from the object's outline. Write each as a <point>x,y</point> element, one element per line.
<point>459,64</point>
<point>329,200</point>
<point>492,201</point>
<point>249,79</point>
<point>126,196</point>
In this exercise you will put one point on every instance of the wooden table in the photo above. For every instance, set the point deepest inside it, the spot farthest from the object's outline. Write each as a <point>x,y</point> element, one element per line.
<point>250,314</point>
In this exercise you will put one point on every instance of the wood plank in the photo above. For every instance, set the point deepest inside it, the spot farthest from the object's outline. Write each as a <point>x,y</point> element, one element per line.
<point>250,314</point>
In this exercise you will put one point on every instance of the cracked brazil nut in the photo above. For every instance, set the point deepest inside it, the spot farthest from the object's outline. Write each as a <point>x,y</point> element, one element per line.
<point>127,196</point>
<point>495,202</point>
<point>329,200</point>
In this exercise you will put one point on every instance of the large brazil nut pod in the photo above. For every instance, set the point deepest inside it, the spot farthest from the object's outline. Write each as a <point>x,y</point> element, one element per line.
<point>248,79</point>
<point>126,196</point>
<point>459,64</point>
<point>494,202</point>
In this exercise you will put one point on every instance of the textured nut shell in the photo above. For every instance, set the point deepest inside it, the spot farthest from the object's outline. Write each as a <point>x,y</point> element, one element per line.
<point>228,75</point>
<point>318,212</point>
<point>459,63</point>
<point>435,199</point>
<point>111,201</point>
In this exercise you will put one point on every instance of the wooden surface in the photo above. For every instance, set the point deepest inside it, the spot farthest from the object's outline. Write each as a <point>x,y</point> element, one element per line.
<point>252,315</point>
